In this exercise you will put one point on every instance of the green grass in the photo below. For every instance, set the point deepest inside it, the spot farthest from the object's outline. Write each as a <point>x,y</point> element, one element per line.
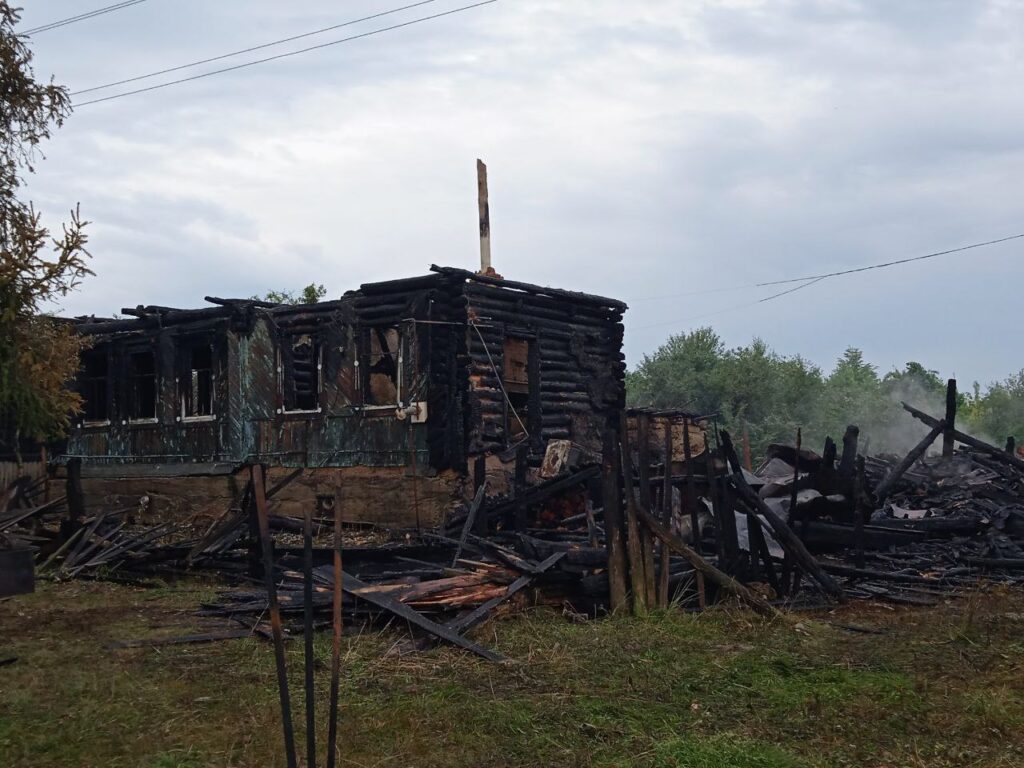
<point>941,688</point>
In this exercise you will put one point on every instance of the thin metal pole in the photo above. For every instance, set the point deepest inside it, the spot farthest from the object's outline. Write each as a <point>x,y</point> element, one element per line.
<point>307,632</point>
<point>332,724</point>
<point>275,612</point>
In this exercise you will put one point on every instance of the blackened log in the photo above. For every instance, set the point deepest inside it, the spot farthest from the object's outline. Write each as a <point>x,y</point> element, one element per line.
<point>966,439</point>
<point>847,464</point>
<point>884,488</point>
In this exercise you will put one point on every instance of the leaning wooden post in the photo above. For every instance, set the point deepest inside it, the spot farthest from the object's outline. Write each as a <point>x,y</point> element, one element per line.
<point>260,500</point>
<point>884,488</point>
<point>783,533</point>
<point>637,575</point>
<point>973,442</point>
<point>948,438</point>
<point>724,581</point>
<point>1011,445</point>
<point>615,542</point>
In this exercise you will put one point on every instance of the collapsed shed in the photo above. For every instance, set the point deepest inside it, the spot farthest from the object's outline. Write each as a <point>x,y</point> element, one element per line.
<point>390,396</point>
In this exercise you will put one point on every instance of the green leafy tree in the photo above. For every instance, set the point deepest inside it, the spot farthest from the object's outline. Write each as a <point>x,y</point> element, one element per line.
<point>311,294</point>
<point>39,356</point>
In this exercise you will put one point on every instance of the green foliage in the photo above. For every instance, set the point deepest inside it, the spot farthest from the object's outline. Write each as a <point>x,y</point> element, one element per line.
<point>772,395</point>
<point>38,356</point>
<point>311,294</point>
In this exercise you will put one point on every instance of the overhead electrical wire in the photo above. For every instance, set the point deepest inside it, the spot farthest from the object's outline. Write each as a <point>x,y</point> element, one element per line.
<point>80,17</point>
<point>287,54</point>
<point>882,265</point>
<point>809,280</point>
<point>249,50</point>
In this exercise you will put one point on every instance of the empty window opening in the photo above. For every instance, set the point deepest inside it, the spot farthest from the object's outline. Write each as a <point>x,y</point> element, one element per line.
<point>516,380</point>
<point>385,367</point>
<point>95,384</point>
<point>300,374</point>
<point>196,383</point>
<point>142,383</point>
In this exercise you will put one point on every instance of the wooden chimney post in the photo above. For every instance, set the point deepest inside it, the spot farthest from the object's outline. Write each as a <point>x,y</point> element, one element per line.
<point>485,218</point>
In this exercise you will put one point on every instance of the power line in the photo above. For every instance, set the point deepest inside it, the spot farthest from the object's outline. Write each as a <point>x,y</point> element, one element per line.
<point>885,264</point>
<point>807,284</point>
<point>882,265</point>
<point>81,17</point>
<point>808,281</point>
<point>249,50</point>
<point>286,55</point>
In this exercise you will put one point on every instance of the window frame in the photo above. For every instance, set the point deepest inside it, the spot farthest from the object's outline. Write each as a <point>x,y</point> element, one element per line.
<point>131,400</point>
<point>318,345</point>
<point>182,380</point>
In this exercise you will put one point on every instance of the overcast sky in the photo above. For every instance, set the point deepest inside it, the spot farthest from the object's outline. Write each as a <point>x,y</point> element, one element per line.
<point>643,150</point>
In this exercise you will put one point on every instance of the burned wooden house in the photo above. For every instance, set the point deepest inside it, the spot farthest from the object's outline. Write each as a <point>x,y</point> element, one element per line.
<point>389,397</point>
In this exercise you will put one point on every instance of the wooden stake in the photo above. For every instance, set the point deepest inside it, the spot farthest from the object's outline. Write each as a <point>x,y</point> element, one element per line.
<point>259,498</point>
<point>332,723</point>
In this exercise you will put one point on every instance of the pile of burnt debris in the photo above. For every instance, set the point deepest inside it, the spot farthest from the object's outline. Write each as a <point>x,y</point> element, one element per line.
<point>664,519</point>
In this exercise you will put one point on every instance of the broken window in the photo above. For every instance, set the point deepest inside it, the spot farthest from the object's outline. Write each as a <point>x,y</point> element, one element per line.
<point>195,381</point>
<point>516,380</point>
<point>142,386</point>
<point>95,386</point>
<point>300,373</point>
<point>384,367</point>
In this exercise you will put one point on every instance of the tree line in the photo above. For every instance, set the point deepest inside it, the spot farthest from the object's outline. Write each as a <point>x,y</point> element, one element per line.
<point>771,395</point>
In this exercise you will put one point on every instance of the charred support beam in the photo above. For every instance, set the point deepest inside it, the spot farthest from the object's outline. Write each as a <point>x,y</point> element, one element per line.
<point>634,549</point>
<point>884,488</point>
<point>963,437</point>
<point>783,533</point>
<point>724,581</point>
<point>613,521</point>
<point>948,436</point>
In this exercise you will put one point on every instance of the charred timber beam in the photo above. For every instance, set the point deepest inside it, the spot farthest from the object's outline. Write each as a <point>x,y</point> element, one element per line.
<point>583,298</point>
<point>948,433</point>
<point>724,581</point>
<point>783,533</point>
<point>884,488</point>
<point>966,439</point>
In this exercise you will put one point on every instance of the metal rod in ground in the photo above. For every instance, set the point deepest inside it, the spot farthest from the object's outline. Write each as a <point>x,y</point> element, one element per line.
<point>307,632</point>
<point>260,500</point>
<point>332,722</point>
